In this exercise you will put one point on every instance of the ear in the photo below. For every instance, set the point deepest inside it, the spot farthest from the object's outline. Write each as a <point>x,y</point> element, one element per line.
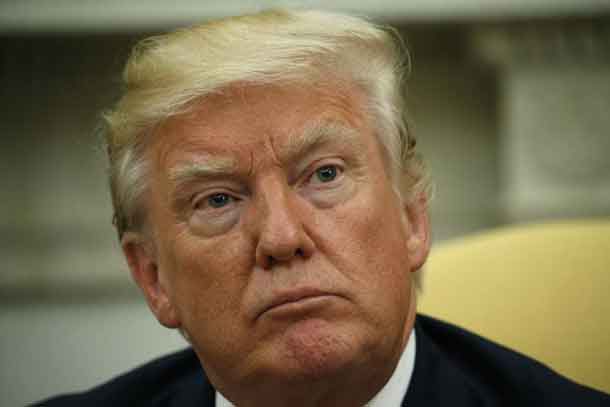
<point>418,243</point>
<point>144,269</point>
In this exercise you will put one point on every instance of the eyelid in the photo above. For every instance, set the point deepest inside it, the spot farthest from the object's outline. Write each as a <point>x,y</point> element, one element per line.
<point>325,162</point>
<point>201,198</point>
<point>207,220</point>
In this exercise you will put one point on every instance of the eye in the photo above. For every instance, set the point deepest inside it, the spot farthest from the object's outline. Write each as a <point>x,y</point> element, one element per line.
<point>326,173</point>
<point>218,200</point>
<point>215,210</point>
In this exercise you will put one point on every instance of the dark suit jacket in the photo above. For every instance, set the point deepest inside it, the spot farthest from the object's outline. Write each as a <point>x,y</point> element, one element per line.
<point>452,368</point>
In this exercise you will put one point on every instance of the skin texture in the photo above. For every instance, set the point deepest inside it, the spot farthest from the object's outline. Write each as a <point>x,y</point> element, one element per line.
<point>284,257</point>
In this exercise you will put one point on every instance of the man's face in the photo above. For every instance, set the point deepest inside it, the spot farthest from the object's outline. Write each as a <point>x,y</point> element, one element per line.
<point>280,247</point>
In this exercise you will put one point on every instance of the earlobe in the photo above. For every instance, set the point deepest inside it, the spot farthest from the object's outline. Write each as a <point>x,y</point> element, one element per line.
<point>418,243</point>
<point>145,272</point>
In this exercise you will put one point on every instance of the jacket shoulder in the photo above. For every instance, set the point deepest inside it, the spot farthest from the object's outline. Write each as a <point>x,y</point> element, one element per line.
<point>157,383</point>
<point>498,375</point>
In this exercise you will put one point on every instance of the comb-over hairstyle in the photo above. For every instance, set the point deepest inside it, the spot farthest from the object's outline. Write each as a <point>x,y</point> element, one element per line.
<point>165,73</point>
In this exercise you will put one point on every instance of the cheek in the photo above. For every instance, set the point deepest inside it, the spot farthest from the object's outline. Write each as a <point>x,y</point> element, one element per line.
<point>207,280</point>
<point>371,248</point>
<point>375,225</point>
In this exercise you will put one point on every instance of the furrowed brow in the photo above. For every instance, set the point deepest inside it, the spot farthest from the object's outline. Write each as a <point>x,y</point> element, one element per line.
<point>209,168</point>
<point>317,135</point>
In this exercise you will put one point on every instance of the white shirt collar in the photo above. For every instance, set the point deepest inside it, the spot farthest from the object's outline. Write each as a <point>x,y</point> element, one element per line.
<point>392,394</point>
<point>394,391</point>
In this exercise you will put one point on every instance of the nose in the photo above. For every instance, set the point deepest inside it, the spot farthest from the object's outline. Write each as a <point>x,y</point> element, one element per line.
<point>282,236</point>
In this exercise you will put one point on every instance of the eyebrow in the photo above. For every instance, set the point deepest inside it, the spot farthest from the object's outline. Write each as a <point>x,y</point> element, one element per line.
<point>313,136</point>
<point>316,135</point>
<point>208,167</point>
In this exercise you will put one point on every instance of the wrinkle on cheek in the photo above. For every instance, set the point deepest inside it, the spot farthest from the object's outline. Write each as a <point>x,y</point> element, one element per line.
<point>251,165</point>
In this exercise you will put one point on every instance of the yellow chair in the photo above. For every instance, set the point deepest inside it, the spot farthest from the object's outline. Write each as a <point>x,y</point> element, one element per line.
<point>543,290</point>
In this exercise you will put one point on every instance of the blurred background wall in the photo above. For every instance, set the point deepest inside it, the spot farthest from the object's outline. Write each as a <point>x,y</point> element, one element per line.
<point>511,101</point>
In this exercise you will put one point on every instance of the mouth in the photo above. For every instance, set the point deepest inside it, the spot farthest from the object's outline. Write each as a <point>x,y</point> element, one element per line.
<point>296,302</point>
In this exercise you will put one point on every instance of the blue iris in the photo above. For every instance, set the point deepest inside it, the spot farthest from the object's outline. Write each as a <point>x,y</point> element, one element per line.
<point>326,173</point>
<point>218,200</point>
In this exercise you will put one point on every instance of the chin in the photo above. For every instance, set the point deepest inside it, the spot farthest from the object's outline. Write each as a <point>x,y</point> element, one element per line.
<point>316,349</point>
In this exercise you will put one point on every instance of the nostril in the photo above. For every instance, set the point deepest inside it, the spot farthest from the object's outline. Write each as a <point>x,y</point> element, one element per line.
<point>272,260</point>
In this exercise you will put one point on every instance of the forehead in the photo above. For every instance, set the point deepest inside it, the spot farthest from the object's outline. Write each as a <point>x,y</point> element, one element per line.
<point>247,122</point>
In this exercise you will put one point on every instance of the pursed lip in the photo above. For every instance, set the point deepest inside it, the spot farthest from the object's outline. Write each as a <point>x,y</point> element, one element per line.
<point>293,296</point>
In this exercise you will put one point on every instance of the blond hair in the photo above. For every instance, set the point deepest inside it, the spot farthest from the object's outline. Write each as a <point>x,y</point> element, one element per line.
<point>164,73</point>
